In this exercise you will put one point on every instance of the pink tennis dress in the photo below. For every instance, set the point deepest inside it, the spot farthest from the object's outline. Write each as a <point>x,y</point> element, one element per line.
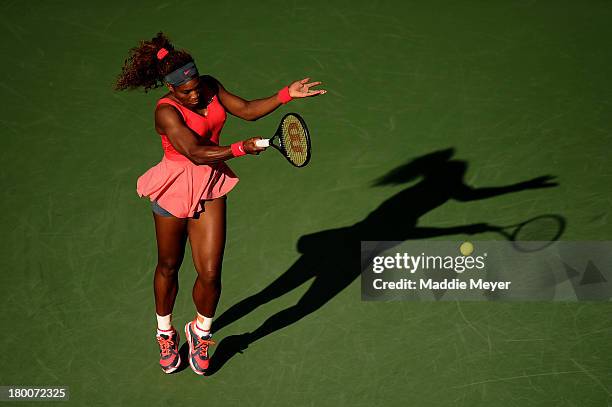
<point>180,186</point>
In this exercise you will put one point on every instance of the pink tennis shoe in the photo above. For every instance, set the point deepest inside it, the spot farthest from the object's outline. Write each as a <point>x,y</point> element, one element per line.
<point>169,359</point>
<point>198,349</point>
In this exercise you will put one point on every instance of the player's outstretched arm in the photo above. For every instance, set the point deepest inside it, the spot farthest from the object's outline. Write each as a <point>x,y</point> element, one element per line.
<point>466,193</point>
<point>255,109</point>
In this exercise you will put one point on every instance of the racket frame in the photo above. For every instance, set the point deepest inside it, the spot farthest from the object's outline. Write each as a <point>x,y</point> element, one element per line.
<point>276,141</point>
<point>516,229</point>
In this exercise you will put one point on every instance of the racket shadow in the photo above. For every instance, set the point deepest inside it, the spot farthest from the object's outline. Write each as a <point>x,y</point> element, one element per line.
<point>331,258</point>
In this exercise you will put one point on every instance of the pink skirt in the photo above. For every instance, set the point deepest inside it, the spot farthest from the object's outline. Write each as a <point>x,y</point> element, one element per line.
<point>179,186</point>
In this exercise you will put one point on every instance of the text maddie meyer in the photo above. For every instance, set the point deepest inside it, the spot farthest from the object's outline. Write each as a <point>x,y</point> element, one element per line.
<point>429,284</point>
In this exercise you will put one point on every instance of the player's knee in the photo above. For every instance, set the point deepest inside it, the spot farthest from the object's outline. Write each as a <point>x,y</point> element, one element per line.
<point>168,267</point>
<point>210,276</point>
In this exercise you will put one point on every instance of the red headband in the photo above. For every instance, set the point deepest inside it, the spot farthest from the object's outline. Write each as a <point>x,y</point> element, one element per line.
<point>162,53</point>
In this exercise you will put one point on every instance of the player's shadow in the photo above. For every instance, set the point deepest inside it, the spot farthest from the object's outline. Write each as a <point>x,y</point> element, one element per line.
<point>332,257</point>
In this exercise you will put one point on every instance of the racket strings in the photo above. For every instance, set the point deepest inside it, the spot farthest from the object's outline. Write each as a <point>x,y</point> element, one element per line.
<point>295,140</point>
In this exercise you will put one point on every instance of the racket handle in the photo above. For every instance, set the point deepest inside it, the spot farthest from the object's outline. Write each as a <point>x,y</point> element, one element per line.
<point>264,142</point>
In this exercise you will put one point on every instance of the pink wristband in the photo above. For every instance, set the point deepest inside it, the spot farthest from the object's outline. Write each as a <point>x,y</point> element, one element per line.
<point>283,95</point>
<point>238,149</point>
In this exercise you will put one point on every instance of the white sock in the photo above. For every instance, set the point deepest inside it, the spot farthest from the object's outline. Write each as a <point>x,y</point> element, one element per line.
<point>203,325</point>
<point>164,324</point>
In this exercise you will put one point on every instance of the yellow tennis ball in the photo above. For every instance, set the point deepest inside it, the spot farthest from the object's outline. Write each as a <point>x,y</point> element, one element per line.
<point>466,248</point>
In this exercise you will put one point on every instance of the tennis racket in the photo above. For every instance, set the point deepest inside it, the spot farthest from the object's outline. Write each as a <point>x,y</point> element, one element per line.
<point>291,139</point>
<point>533,234</point>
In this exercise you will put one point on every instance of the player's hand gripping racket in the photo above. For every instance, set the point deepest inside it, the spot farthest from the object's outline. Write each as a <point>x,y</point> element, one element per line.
<point>533,234</point>
<point>291,139</point>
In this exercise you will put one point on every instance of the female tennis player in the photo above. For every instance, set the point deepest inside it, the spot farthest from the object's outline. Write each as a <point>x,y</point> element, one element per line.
<point>188,188</point>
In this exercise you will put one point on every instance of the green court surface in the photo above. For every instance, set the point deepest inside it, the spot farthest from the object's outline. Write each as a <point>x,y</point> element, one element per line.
<point>504,91</point>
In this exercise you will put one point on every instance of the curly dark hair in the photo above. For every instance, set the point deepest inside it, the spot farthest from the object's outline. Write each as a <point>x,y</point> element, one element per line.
<point>143,69</point>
